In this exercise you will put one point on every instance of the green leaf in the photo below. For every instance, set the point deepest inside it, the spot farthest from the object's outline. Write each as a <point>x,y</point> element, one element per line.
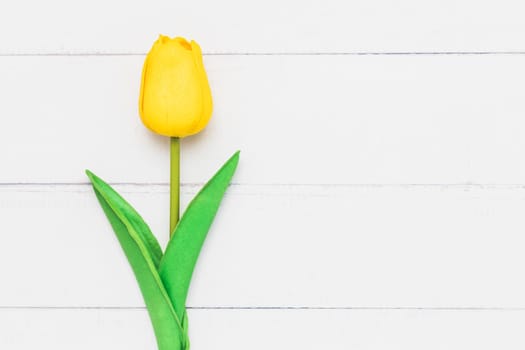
<point>186,340</point>
<point>131,214</point>
<point>166,324</point>
<point>178,262</point>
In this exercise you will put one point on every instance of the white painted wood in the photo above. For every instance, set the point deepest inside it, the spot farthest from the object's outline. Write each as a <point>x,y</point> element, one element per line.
<point>120,26</point>
<point>297,119</point>
<point>353,192</point>
<point>315,246</point>
<point>268,329</point>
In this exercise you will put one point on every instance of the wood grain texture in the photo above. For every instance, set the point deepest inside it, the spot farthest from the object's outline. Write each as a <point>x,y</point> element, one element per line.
<point>269,329</point>
<point>313,246</point>
<point>298,120</point>
<point>275,26</point>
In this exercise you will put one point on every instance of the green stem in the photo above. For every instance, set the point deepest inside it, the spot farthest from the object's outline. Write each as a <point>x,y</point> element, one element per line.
<point>174,182</point>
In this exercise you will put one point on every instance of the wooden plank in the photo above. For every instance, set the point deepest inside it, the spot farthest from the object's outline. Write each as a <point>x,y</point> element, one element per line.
<point>231,26</point>
<point>308,120</point>
<point>315,246</point>
<point>267,329</point>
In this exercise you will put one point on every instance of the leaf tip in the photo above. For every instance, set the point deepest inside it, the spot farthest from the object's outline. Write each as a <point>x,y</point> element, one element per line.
<point>235,157</point>
<point>90,175</point>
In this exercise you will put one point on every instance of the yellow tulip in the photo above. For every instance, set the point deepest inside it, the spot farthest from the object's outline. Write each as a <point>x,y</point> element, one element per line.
<point>175,97</point>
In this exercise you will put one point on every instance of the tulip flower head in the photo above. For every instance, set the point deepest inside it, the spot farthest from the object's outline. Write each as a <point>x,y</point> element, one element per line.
<point>175,97</point>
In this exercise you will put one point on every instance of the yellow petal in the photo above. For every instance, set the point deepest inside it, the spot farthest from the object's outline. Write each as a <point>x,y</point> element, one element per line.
<point>207,102</point>
<point>175,98</point>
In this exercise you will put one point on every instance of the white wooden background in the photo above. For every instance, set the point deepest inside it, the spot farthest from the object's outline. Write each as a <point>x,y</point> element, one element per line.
<point>380,198</point>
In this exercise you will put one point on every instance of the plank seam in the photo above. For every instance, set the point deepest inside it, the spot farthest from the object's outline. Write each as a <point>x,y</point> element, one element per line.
<point>52,185</point>
<point>357,53</point>
<point>356,308</point>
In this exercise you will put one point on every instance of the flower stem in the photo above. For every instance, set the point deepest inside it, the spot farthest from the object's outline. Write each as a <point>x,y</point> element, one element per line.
<point>174,182</point>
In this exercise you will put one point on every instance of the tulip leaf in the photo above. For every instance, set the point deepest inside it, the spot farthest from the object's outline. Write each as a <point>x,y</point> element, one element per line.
<point>138,248</point>
<point>134,218</point>
<point>180,257</point>
<point>186,340</point>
